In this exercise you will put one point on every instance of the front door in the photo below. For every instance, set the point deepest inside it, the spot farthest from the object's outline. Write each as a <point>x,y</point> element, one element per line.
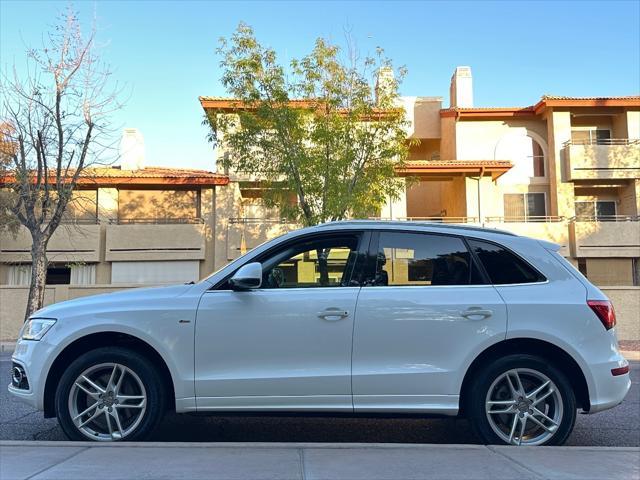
<point>286,345</point>
<point>425,315</point>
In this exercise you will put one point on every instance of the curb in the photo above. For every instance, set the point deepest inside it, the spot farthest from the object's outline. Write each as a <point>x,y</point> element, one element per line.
<point>294,445</point>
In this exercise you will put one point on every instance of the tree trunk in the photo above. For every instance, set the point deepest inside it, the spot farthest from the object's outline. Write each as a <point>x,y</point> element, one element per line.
<point>323,266</point>
<point>38,276</point>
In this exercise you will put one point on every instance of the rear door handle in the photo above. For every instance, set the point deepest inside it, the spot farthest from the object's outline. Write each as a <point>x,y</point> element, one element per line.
<point>474,312</point>
<point>333,314</point>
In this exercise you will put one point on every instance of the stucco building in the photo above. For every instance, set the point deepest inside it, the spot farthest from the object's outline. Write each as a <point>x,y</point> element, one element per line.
<point>565,169</point>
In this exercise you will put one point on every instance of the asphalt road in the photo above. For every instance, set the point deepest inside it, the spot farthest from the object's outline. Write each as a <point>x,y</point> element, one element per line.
<point>618,427</point>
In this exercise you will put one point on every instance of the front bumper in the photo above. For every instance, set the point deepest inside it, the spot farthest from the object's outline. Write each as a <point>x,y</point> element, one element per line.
<point>32,357</point>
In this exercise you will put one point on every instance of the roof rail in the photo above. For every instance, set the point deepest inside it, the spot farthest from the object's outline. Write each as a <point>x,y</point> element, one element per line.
<point>435,225</point>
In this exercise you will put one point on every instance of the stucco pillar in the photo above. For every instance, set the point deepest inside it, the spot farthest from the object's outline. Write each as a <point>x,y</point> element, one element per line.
<point>208,214</point>
<point>107,212</point>
<point>561,192</point>
<point>396,208</point>
<point>228,204</point>
<point>633,124</point>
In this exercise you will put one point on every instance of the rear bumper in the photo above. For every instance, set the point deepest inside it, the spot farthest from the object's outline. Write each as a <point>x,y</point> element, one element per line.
<point>609,390</point>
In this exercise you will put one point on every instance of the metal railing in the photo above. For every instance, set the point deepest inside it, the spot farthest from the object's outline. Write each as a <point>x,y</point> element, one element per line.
<point>156,221</point>
<point>603,141</point>
<point>430,219</point>
<point>257,220</point>
<point>606,218</point>
<point>525,219</point>
<point>79,221</point>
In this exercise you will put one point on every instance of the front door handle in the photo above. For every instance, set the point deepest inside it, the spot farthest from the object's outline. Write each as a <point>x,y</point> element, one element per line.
<point>333,314</point>
<point>476,313</point>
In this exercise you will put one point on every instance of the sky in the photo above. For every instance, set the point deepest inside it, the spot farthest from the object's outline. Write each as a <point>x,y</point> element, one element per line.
<point>164,51</point>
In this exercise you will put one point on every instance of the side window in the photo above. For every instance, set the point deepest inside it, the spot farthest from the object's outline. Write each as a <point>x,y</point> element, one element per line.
<point>502,266</point>
<point>423,259</point>
<point>316,263</point>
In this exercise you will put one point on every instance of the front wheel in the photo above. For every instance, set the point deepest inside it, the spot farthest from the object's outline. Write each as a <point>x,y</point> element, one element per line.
<point>110,394</point>
<point>521,400</point>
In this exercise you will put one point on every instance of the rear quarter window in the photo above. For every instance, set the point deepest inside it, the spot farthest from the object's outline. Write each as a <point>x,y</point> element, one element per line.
<point>503,266</point>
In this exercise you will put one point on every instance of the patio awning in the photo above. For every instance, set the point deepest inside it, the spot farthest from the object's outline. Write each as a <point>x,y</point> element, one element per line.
<point>440,168</point>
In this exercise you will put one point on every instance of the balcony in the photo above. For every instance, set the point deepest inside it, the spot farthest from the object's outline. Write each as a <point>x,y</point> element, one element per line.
<point>602,159</point>
<point>71,242</point>
<point>155,239</point>
<point>608,236</point>
<point>244,233</point>
<point>551,229</point>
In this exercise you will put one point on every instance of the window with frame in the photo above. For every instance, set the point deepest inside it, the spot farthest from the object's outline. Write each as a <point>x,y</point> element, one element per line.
<point>406,259</point>
<point>503,266</point>
<point>524,207</point>
<point>600,210</point>
<point>590,136</point>
<point>316,263</point>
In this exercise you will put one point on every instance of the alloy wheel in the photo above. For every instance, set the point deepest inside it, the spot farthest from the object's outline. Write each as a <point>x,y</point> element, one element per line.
<point>107,402</point>
<point>524,407</point>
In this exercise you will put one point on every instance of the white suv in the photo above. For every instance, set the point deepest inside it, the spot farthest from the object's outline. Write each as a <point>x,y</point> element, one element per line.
<point>361,317</point>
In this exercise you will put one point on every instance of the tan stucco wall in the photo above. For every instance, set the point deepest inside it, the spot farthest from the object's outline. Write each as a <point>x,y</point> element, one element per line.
<point>155,242</point>
<point>605,239</point>
<point>69,243</point>
<point>626,301</point>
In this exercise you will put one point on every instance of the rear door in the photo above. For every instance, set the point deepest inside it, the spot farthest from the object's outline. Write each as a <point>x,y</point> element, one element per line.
<point>425,314</point>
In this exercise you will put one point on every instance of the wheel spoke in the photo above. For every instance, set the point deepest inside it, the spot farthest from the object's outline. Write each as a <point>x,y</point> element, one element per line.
<point>112,377</point>
<point>92,384</point>
<point>523,425</point>
<point>95,414</point>
<point>534,393</point>
<point>519,382</point>
<point>119,383</point>
<point>538,400</point>
<point>538,422</point>
<point>513,427</point>
<point>116,417</point>
<point>87,410</point>
<point>514,392</point>
<point>109,426</point>
<point>543,415</point>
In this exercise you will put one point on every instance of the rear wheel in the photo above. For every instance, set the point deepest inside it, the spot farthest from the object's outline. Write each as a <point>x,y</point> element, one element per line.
<point>110,394</point>
<point>521,400</point>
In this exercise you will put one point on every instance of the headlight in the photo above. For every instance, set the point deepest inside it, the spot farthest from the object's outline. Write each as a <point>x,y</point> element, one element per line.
<point>35,328</point>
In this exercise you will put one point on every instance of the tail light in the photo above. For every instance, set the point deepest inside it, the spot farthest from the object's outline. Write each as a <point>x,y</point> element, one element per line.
<point>604,310</point>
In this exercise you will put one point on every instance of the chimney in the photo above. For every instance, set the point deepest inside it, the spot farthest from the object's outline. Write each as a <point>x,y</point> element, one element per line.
<point>132,149</point>
<point>461,89</point>
<point>385,84</point>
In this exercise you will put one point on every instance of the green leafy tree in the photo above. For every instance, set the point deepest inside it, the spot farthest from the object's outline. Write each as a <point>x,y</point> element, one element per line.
<point>321,129</point>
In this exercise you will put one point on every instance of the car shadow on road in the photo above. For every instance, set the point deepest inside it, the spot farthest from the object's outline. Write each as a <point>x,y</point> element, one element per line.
<point>312,429</point>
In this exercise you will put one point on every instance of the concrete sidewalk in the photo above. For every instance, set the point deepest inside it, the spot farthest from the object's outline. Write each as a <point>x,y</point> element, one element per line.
<point>306,461</point>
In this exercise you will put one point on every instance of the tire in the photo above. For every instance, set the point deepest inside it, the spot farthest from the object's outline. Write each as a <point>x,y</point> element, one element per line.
<point>121,397</point>
<point>491,390</point>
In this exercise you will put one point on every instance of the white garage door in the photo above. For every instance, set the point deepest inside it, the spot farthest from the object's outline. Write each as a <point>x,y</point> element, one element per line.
<point>155,273</point>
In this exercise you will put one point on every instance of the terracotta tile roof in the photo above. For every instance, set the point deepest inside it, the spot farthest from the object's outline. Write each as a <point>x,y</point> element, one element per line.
<point>150,172</point>
<point>495,168</point>
<point>559,97</point>
<point>150,176</point>
<point>459,163</point>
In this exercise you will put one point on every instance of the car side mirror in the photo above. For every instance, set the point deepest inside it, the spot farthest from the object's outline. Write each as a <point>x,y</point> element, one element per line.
<point>247,277</point>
